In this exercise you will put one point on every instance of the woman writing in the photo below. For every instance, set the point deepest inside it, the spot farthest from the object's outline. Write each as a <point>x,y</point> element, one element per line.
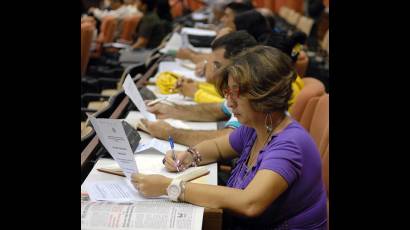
<point>277,182</point>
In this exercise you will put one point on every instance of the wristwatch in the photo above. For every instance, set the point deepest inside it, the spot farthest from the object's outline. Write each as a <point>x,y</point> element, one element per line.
<point>174,189</point>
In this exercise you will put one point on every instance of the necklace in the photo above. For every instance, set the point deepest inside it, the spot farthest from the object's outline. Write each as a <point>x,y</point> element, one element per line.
<point>251,157</point>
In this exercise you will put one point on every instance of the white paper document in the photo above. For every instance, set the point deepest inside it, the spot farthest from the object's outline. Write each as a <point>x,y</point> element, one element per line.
<point>142,215</point>
<point>156,144</point>
<point>115,191</point>
<point>200,32</point>
<point>113,137</point>
<point>199,16</point>
<point>133,93</point>
<point>186,64</point>
<point>174,43</point>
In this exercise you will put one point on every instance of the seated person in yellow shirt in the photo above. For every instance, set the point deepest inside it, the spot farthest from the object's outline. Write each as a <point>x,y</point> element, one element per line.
<point>223,48</point>
<point>212,111</point>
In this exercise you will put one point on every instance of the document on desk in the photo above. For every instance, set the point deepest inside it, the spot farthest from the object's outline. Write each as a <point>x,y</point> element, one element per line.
<point>115,191</point>
<point>132,92</point>
<point>174,43</point>
<point>152,214</point>
<point>196,31</point>
<point>112,135</point>
<point>156,144</point>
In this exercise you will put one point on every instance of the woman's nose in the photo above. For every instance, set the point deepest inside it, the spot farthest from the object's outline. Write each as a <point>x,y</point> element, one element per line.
<point>230,103</point>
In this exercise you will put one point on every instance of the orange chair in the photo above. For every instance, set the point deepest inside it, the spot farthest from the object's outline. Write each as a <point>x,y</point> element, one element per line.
<point>129,25</point>
<point>315,119</point>
<point>176,8</point>
<point>325,42</point>
<point>312,87</point>
<point>326,3</point>
<point>308,112</point>
<point>258,3</point>
<point>319,127</point>
<point>194,5</point>
<point>87,30</point>
<point>106,35</point>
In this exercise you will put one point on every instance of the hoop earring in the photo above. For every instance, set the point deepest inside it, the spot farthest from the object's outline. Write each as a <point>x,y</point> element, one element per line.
<point>269,127</point>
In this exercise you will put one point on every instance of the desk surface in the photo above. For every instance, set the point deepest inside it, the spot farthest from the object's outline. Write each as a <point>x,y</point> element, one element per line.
<point>150,161</point>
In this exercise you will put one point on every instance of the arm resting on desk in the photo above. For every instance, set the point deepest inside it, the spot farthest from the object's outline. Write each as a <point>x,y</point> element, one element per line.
<point>194,137</point>
<point>187,54</point>
<point>199,112</point>
<point>162,130</point>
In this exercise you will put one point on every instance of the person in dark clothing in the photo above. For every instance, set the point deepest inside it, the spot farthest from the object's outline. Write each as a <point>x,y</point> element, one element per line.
<point>254,23</point>
<point>233,9</point>
<point>150,30</point>
<point>164,13</point>
<point>164,10</point>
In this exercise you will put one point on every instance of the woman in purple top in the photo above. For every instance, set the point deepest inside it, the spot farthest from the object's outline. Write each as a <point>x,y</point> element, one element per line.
<point>277,182</point>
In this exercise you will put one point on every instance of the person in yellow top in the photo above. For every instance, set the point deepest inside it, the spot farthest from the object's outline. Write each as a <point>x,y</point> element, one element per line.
<point>202,92</point>
<point>297,86</point>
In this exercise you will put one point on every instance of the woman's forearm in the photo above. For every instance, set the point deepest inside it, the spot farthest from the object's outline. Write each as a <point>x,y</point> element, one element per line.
<point>212,196</point>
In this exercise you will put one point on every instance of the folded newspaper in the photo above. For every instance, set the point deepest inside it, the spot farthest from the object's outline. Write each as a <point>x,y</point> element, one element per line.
<point>156,214</point>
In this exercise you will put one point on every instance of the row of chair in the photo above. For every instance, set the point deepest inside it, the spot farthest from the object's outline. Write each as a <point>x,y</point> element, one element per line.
<point>294,18</point>
<point>315,119</point>
<point>311,109</point>
<point>106,35</point>
<point>304,24</point>
<point>87,31</point>
<point>103,94</point>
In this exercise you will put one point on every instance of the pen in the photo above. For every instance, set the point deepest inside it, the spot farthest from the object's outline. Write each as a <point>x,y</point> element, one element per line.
<point>151,103</point>
<point>204,69</point>
<point>171,142</point>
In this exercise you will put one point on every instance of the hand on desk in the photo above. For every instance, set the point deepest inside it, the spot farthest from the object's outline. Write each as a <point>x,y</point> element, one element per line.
<point>159,129</point>
<point>184,53</point>
<point>150,185</point>
<point>163,111</point>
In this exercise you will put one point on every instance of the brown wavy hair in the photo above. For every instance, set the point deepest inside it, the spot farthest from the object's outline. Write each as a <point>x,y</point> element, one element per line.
<point>264,75</point>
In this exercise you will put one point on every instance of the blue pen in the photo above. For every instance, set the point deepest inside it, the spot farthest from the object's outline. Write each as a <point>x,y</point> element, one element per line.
<point>171,142</point>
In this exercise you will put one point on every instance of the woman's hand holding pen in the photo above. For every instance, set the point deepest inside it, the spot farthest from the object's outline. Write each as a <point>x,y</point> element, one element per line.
<point>183,157</point>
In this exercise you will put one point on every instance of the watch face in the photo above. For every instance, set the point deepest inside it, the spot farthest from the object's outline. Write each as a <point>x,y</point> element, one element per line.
<point>174,190</point>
